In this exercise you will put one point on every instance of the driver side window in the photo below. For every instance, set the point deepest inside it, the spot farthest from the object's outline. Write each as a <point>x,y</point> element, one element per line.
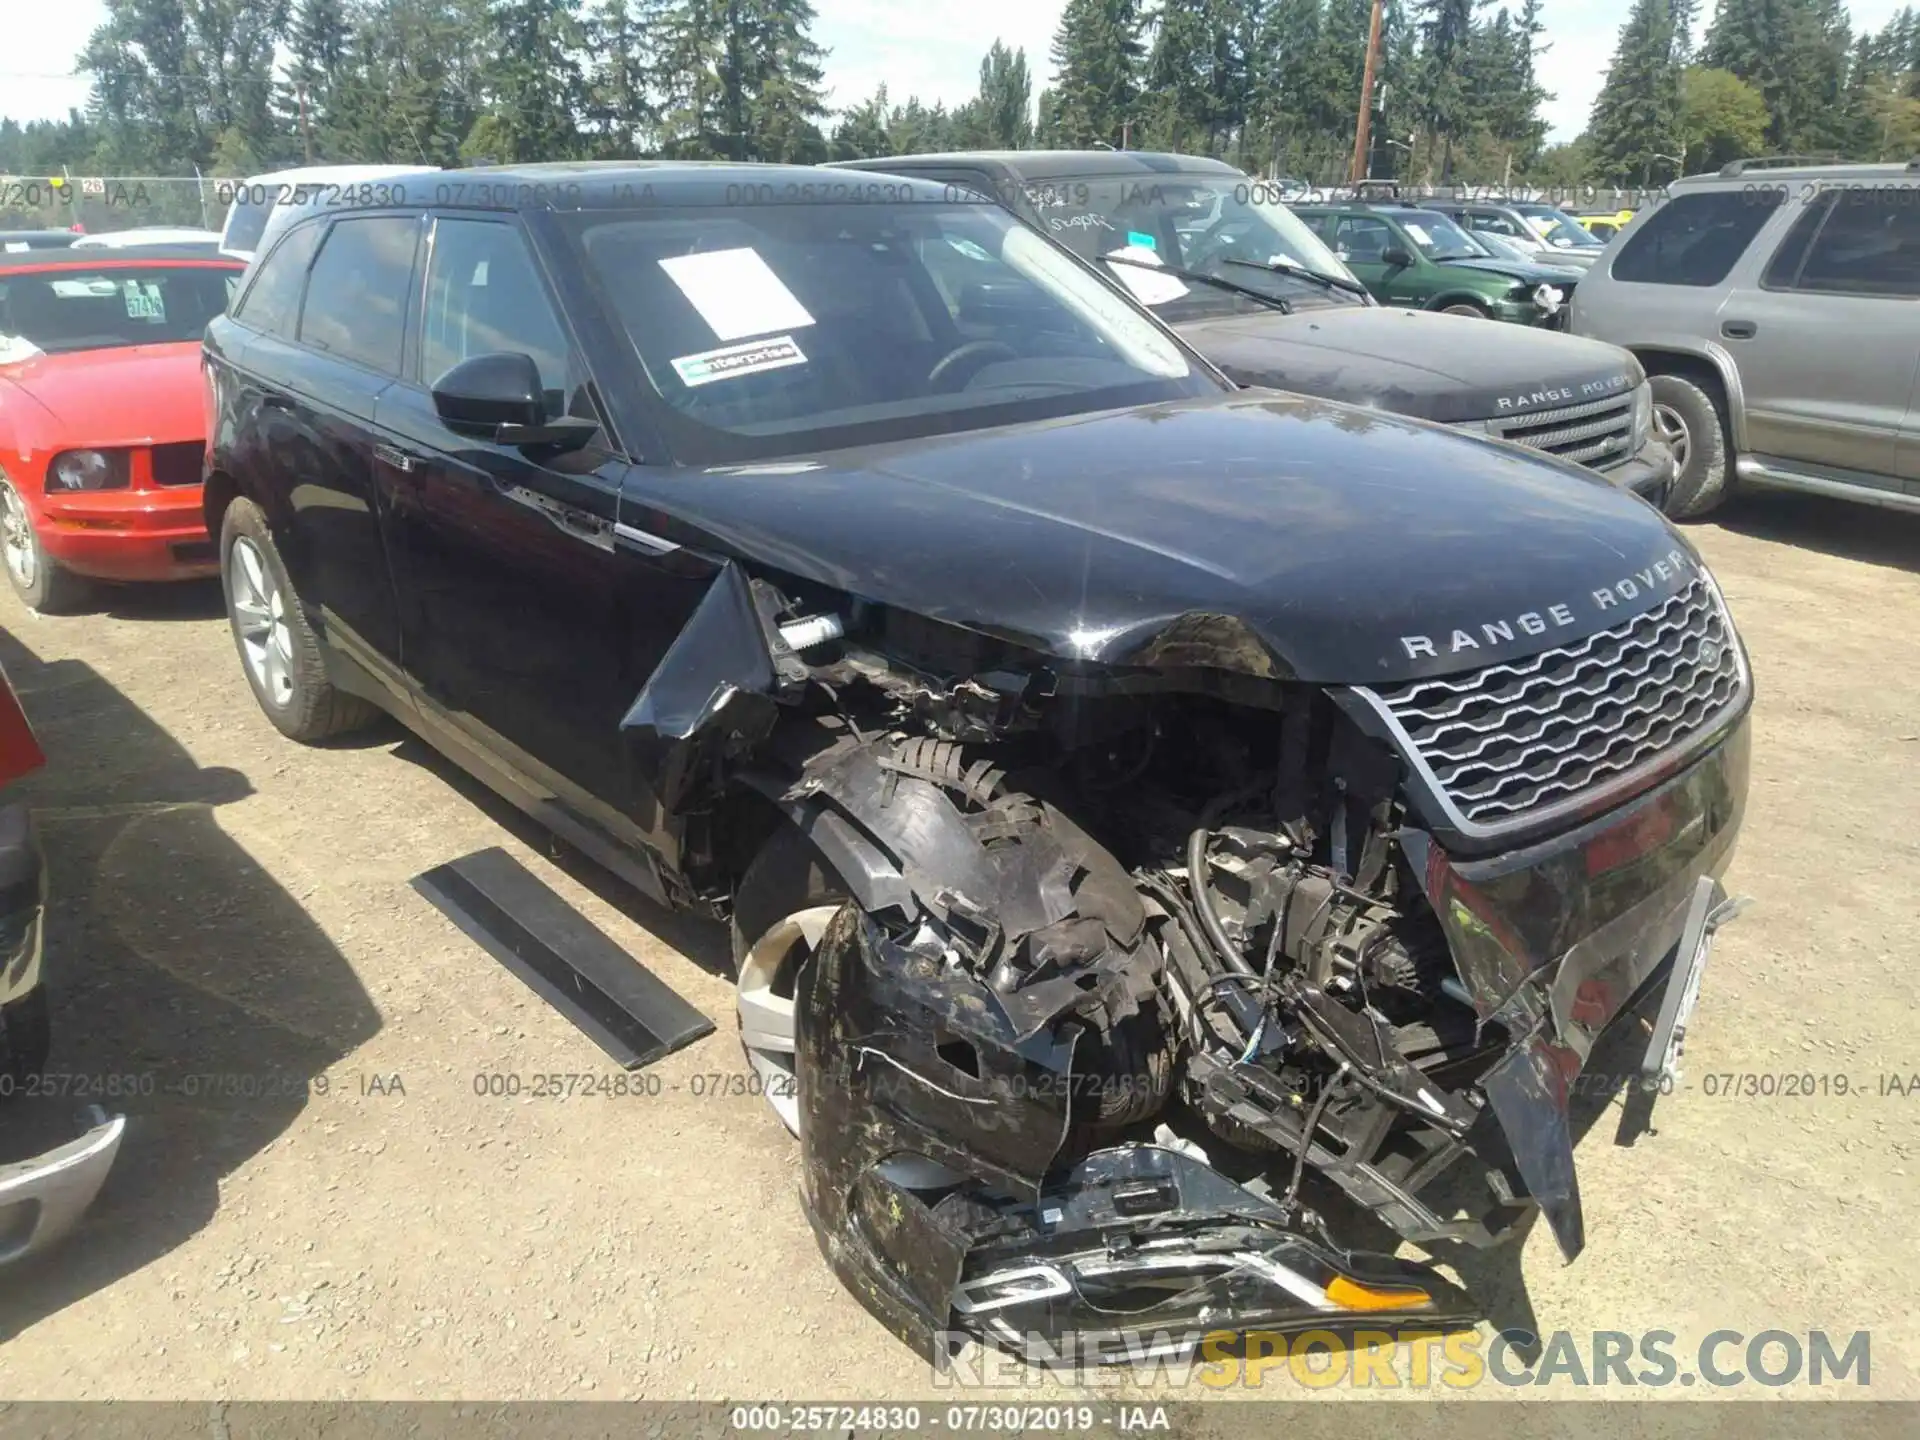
<point>485,296</point>
<point>1363,239</point>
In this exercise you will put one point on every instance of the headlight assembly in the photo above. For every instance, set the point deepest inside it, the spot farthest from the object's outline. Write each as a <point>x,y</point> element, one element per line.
<point>87,470</point>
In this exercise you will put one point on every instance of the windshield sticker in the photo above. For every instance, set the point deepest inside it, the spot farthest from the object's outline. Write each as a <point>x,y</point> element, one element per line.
<point>1142,280</point>
<point>736,293</point>
<point>733,360</point>
<point>968,249</point>
<point>14,349</point>
<point>1145,242</point>
<point>77,289</point>
<point>143,302</point>
<point>479,280</point>
<point>17,247</point>
<point>1420,236</point>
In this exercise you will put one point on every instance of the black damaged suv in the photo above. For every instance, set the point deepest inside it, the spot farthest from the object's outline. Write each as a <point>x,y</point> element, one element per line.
<point>1129,793</point>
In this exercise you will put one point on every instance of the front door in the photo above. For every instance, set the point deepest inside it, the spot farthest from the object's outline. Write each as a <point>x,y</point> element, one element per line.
<point>529,629</point>
<point>1364,241</point>
<point>1824,335</point>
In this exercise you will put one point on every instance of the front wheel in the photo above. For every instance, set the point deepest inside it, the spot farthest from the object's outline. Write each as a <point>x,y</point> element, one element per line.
<point>1465,308</point>
<point>45,585</point>
<point>278,649</point>
<point>1690,421</point>
<point>780,910</point>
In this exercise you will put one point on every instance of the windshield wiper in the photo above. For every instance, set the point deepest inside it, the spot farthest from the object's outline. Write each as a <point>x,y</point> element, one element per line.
<point>1288,267</point>
<point>1277,302</point>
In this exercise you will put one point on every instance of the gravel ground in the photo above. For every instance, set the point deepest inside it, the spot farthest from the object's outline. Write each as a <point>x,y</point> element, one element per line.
<point>234,927</point>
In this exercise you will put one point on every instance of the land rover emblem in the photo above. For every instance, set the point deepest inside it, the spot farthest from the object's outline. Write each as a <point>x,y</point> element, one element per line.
<point>1710,653</point>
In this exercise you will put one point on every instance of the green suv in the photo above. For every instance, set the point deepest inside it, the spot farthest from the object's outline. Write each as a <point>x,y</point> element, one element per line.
<point>1409,256</point>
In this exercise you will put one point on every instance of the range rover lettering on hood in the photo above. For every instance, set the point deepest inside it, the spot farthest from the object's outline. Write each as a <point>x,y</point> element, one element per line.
<point>1661,578</point>
<point>1548,397</point>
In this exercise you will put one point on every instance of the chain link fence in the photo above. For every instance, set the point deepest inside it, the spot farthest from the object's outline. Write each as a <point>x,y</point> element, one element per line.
<point>101,203</point>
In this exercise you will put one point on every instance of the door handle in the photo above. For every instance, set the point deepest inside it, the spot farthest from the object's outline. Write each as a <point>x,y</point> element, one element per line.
<point>1739,329</point>
<point>398,459</point>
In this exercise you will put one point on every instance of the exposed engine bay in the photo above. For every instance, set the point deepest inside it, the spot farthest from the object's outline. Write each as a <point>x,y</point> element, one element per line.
<point>1133,953</point>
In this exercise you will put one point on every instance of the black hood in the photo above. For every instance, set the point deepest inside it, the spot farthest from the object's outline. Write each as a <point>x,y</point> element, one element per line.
<point>1414,363</point>
<point>1272,535</point>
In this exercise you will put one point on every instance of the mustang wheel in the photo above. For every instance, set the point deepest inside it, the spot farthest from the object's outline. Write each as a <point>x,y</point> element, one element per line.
<point>41,581</point>
<point>278,649</point>
<point>782,907</point>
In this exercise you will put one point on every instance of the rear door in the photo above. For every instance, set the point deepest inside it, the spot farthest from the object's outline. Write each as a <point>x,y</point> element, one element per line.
<point>312,384</point>
<point>528,626</point>
<point>1825,330</point>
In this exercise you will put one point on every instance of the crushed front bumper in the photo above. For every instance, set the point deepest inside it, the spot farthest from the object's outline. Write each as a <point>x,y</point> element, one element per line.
<point>1138,1251</point>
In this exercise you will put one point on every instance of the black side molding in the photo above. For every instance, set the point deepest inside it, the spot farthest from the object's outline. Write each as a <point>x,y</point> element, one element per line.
<point>564,958</point>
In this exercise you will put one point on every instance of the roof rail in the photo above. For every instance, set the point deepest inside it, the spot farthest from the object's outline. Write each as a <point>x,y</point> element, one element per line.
<point>1769,162</point>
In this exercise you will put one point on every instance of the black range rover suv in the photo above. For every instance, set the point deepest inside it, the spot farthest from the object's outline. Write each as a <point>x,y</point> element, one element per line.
<point>1129,793</point>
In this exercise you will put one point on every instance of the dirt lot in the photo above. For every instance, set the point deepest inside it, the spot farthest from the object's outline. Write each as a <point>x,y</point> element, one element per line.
<point>231,905</point>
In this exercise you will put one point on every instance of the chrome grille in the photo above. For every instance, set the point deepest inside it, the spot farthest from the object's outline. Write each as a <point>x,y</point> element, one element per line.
<point>1503,743</point>
<point>1597,433</point>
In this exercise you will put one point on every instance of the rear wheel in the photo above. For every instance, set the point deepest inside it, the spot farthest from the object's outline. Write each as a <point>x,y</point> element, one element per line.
<point>1694,427</point>
<point>781,909</point>
<point>47,587</point>
<point>278,649</point>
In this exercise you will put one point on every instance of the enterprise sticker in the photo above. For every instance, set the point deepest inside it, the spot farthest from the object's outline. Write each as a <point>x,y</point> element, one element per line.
<point>747,359</point>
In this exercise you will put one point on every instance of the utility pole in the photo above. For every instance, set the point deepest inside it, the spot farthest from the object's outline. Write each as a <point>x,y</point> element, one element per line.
<point>1363,131</point>
<point>306,130</point>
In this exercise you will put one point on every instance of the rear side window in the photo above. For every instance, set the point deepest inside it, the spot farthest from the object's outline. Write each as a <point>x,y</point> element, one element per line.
<point>1696,239</point>
<point>356,305</point>
<point>272,301</point>
<point>247,220</point>
<point>1852,243</point>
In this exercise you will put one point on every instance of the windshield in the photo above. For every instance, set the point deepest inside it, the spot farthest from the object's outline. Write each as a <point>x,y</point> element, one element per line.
<point>1439,238</point>
<point>1557,228</point>
<point>81,309</point>
<point>1224,225</point>
<point>775,329</point>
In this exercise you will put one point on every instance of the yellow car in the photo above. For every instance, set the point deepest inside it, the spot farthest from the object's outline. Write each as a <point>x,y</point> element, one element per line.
<point>1605,225</point>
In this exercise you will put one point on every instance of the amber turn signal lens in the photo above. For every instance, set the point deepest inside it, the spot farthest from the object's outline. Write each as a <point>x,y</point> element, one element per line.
<point>1351,1295</point>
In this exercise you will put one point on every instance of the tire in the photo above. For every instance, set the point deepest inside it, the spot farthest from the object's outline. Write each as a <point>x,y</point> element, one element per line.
<point>43,584</point>
<point>26,1039</point>
<point>780,906</point>
<point>1695,426</point>
<point>1466,307</point>
<point>279,653</point>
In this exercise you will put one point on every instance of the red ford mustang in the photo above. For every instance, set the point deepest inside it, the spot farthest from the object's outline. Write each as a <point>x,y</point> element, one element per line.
<point>102,430</point>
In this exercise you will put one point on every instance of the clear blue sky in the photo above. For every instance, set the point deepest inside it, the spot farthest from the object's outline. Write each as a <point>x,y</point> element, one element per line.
<point>931,50</point>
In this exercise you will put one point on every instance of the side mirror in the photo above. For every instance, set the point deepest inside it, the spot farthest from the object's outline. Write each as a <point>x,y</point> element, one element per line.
<point>499,397</point>
<point>1395,257</point>
<point>479,395</point>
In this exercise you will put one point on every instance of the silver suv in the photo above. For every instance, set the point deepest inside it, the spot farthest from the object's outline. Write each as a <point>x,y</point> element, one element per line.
<point>1774,306</point>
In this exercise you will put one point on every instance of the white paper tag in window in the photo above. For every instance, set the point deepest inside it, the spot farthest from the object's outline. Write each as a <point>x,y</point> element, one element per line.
<point>1142,282</point>
<point>748,359</point>
<point>736,293</point>
<point>17,247</point>
<point>1420,236</point>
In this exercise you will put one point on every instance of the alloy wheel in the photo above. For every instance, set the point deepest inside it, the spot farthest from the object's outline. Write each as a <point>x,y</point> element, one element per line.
<point>1668,425</point>
<point>260,614</point>
<point>764,995</point>
<point>16,537</point>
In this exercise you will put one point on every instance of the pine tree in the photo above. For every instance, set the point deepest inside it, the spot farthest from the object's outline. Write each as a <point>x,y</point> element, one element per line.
<point>862,131</point>
<point>1003,110</point>
<point>1446,32</point>
<point>619,103</point>
<point>531,83</point>
<point>1096,64</point>
<point>319,48</point>
<point>1636,116</point>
